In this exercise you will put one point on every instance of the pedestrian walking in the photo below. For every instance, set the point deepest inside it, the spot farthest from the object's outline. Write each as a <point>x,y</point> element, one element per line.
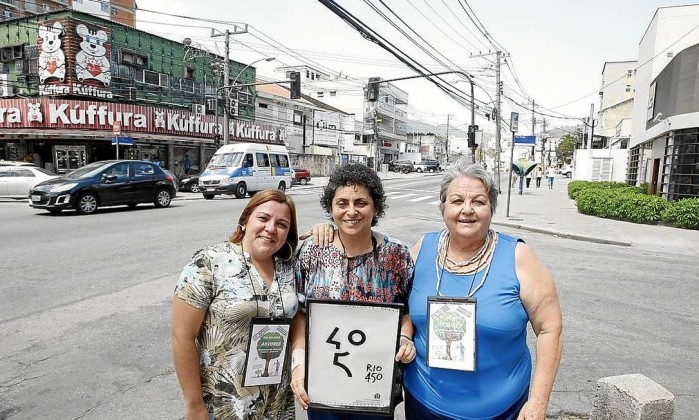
<point>539,175</point>
<point>550,174</point>
<point>529,178</point>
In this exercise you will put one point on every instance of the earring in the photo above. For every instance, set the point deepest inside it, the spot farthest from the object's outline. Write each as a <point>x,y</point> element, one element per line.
<point>291,253</point>
<point>238,226</point>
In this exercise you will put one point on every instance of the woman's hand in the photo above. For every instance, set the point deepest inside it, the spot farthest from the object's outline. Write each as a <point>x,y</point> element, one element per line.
<point>297,377</point>
<point>322,233</point>
<point>533,410</point>
<point>406,350</point>
<point>196,412</point>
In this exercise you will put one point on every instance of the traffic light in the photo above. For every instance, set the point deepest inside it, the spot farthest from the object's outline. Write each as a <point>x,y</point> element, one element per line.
<point>372,89</point>
<point>472,136</point>
<point>295,87</point>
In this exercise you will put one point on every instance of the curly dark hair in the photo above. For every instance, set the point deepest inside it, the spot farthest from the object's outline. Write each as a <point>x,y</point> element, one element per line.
<point>357,174</point>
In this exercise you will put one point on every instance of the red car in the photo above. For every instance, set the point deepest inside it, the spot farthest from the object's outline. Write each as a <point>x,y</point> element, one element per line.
<point>301,175</point>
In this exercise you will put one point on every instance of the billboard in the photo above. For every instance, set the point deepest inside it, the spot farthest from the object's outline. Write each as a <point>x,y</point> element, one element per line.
<point>74,59</point>
<point>326,128</point>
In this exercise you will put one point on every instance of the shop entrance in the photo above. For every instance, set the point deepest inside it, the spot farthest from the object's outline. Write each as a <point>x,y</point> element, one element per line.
<point>68,158</point>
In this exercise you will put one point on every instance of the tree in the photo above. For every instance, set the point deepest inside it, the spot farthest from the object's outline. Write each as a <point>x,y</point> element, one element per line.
<point>269,347</point>
<point>566,148</point>
<point>450,327</point>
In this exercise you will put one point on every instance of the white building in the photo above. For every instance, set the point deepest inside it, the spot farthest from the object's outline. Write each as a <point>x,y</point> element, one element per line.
<point>664,145</point>
<point>616,99</point>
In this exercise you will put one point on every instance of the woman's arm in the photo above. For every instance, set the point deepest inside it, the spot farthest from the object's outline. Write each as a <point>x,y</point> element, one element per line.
<point>540,299</point>
<point>415,250</point>
<point>298,346</point>
<point>186,322</point>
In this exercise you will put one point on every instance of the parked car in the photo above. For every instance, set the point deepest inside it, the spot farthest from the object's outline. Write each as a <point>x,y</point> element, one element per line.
<point>15,163</point>
<point>404,166</point>
<point>427,165</point>
<point>16,181</point>
<point>301,175</point>
<point>105,183</point>
<point>190,183</point>
<point>566,171</point>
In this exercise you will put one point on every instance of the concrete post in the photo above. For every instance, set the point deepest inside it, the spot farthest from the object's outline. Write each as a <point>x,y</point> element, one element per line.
<point>631,397</point>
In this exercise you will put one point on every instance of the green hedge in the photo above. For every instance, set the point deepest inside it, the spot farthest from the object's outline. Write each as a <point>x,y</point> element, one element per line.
<point>621,203</point>
<point>575,187</point>
<point>683,213</point>
<point>616,200</point>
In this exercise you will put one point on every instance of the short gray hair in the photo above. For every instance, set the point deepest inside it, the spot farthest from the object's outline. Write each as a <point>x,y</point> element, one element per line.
<point>474,170</point>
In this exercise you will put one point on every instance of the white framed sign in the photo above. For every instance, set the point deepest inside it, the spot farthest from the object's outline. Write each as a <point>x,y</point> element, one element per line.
<point>267,348</point>
<point>350,355</point>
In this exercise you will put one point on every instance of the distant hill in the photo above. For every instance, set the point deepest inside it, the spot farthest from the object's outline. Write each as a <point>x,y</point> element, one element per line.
<point>415,126</point>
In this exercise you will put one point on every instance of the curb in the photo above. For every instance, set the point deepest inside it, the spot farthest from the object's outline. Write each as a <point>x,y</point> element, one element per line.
<point>561,234</point>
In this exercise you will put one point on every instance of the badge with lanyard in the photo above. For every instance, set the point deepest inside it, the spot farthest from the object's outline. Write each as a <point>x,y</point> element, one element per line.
<point>451,325</point>
<point>268,342</point>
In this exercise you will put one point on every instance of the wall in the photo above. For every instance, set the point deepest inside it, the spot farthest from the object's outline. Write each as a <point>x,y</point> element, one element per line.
<point>582,168</point>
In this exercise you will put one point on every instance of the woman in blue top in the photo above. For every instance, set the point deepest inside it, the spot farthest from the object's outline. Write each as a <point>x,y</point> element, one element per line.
<point>511,288</point>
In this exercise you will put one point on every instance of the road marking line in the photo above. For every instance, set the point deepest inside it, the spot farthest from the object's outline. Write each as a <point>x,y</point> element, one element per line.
<point>434,202</point>
<point>420,199</point>
<point>393,192</point>
<point>404,195</point>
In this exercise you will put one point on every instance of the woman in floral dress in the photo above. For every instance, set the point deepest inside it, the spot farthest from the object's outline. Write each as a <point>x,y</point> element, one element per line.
<point>217,295</point>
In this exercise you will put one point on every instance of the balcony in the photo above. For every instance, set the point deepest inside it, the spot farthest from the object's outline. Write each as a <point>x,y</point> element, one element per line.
<point>30,7</point>
<point>11,3</point>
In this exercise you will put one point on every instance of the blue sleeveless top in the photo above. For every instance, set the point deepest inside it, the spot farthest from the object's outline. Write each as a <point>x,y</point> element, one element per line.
<point>503,362</point>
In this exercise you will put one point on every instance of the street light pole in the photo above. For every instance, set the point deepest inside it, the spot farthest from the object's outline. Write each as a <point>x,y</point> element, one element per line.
<point>226,67</point>
<point>238,76</point>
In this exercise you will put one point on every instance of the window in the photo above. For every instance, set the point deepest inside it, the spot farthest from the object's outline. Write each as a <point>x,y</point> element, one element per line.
<point>333,93</point>
<point>131,58</point>
<point>308,74</point>
<point>121,171</point>
<point>263,105</point>
<point>143,169</point>
<point>320,94</point>
<point>262,160</point>
<point>189,73</point>
<point>628,88</point>
<point>114,12</point>
<point>298,117</point>
<point>670,54</point>
<point>151,77</point>
<point>105,7</point>
<point>629,73</point>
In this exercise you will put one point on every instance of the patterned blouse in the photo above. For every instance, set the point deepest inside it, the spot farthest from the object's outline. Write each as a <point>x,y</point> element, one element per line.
<point>383,275</point>
<point>217,279</point>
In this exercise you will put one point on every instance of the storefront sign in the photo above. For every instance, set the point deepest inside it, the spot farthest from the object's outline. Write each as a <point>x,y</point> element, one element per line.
<point>246,130</point>
<point>91,115</point>
<point>74,59</point>
<point>326,128</point>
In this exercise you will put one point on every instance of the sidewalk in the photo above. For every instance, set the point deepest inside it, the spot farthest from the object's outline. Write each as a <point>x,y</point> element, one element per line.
<point>552,212</point>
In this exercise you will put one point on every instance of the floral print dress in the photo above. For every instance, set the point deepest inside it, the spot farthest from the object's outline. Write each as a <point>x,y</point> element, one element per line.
<point>222,280</point>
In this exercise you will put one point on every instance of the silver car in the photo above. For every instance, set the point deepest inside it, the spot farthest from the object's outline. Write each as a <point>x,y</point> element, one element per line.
<point>16,181</point>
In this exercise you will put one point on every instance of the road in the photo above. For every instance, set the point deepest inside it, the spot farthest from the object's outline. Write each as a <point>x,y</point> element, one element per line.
<point>85,301</point>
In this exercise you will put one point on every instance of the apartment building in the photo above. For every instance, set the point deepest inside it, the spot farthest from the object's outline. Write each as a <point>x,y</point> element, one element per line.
<point>122,11</point>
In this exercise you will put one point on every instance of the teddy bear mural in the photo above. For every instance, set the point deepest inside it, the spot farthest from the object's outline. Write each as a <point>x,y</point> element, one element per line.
<point>91,62</point>
<point>52,60</point>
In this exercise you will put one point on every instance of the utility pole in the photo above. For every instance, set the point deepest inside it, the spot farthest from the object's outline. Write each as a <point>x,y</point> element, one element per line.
<point>543,142</point>
<point>592,126</point>
<point>447,142</point>
<point>227,72</point>
<point>533,127</point>
<point>498,100</point>
<point>376,138</point>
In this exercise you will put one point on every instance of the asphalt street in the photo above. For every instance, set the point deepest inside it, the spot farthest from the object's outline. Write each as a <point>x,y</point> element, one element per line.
<point>85,304</point>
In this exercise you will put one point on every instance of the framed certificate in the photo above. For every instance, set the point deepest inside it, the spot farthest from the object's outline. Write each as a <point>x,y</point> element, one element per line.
<point>451,333</point>
<point>350,355</point>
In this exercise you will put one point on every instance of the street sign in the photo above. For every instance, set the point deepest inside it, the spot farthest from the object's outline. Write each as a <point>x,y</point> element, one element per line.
<point>525,139</point>
<point>126,141</point>
<point>116,128</point>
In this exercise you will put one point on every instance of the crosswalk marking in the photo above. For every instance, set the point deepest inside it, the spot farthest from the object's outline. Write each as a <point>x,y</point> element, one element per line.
<point>427,197</point>
<point>404,195</point>
<point>436,202</point>
<point>393,193</point>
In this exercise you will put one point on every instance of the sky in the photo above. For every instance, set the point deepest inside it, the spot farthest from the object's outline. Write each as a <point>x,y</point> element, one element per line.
<point>557,48</point>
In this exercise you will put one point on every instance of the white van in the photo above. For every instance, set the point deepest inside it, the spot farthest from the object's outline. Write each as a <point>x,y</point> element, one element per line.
<point>245,168</point>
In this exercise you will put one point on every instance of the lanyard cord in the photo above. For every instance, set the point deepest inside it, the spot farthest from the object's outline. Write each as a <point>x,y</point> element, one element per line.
<point>440,270</point>
<point>371,267</point>
<point>252,283</point>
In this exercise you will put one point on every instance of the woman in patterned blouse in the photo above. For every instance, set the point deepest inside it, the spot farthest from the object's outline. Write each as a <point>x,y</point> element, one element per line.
<point>217,295</point>
<point>359,265</point>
